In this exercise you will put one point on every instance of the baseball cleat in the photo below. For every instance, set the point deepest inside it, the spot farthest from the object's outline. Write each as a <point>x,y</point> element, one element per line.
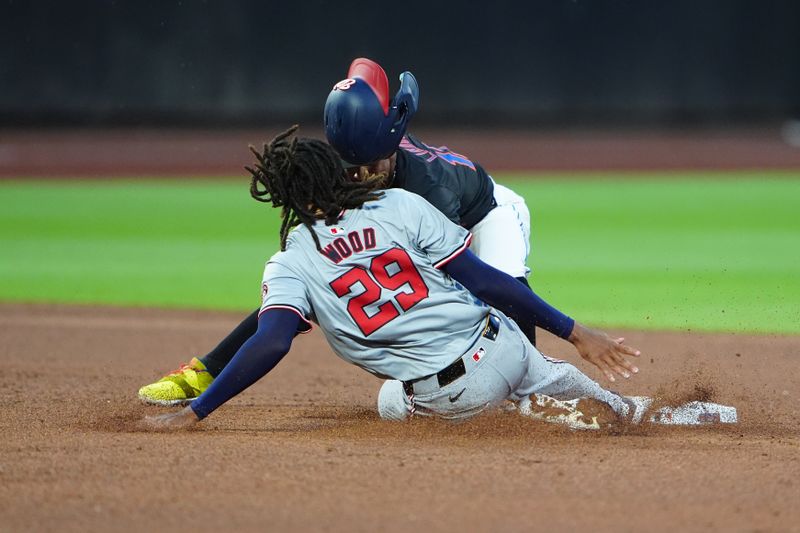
<point>568,413</point>
<point>637,406</point>
<point>178,387</point>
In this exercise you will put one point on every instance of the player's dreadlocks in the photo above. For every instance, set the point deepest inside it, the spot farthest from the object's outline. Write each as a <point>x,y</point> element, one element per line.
<point>306,179</point>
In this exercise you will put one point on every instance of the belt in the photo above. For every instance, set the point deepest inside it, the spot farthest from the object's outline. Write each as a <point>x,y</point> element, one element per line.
<point>458,368</point>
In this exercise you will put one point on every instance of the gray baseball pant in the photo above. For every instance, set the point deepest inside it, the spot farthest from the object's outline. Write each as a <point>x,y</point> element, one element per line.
<point>507,367</point>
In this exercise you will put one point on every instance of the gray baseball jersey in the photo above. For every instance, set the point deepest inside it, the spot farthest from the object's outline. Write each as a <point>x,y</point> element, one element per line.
<point>376,289</point>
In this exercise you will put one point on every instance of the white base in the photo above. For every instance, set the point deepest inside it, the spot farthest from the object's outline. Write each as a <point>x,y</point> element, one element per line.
<point>688,414</point>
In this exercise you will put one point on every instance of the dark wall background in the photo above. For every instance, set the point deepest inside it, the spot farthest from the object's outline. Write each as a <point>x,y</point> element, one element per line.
<point>535,63</point>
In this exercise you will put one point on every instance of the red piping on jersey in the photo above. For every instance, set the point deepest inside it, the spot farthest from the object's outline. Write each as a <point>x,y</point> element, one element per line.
<point>455,254</point>
<point>289,308</point>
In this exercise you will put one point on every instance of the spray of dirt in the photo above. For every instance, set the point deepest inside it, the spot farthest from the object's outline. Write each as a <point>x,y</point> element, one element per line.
<point>695,386</point>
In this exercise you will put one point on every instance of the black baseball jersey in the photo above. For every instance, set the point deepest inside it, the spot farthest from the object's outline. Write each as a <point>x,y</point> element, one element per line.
<point>453,184</point>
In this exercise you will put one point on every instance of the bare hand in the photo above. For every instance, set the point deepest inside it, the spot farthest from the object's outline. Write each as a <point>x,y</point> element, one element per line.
<point>607,354</point>
<point>183,419</point>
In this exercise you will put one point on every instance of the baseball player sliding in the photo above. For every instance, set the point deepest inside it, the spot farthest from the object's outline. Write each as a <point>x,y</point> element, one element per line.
<point>370,136</point>
<point>394,288</point>
<point>393,282</point>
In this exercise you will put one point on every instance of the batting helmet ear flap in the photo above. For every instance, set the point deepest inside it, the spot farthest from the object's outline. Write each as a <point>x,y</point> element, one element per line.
<point>408,95</point>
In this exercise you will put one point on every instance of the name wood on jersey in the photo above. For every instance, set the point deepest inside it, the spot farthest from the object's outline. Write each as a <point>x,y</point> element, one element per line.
<point>343,247</point>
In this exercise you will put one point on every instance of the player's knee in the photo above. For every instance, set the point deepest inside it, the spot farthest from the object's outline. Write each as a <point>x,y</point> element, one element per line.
<point>392,401</point>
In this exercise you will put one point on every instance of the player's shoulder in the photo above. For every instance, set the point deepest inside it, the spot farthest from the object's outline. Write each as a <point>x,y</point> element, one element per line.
<point>396,194</point>
<point>412,149</point>
<point>296,240</point>
<point>284,264</point>
<point>279,258</point>
<point>402,197</point>
<point>410,140</point>
<point>299,237</point>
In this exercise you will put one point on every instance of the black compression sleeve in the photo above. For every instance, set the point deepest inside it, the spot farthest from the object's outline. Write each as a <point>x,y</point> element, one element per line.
<point>259,354</point>
<point>216,359</point>
<point>507,294</point>
<point>528,329</point>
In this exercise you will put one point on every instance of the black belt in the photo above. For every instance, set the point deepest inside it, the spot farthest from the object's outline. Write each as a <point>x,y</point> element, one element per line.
<point>451,373</point>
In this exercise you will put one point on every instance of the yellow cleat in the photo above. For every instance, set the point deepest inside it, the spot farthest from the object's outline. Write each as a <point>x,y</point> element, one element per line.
<point>179,387</point>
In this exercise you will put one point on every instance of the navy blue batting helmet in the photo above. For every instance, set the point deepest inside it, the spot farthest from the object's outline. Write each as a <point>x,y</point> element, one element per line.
<point>361,122</point>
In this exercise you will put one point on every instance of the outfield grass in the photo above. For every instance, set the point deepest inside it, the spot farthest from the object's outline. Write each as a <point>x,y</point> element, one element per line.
<point>685,251</point>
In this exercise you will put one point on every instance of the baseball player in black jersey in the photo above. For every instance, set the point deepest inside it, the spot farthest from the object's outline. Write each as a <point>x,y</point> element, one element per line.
<point>368,130</point>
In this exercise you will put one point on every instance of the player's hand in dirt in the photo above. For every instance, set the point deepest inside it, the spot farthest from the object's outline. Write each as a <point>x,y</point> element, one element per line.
<point>183,419</point>
<point>607,354</point>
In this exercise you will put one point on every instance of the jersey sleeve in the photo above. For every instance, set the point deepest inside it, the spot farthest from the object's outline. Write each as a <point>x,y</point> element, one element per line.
<point>282,288</point>
<point>432,232</point>
<point>445,201</point>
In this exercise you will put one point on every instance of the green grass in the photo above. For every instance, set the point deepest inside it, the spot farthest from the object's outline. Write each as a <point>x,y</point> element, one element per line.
<point>694,251</point>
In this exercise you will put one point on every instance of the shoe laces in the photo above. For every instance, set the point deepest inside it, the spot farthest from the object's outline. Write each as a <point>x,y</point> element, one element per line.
<point>183,368</point>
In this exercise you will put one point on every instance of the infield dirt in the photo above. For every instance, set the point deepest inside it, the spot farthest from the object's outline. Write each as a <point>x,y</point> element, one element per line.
<point>304,449</point>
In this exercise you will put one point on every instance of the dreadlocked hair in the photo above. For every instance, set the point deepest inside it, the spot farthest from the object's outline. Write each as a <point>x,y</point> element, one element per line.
<point>305,178</point>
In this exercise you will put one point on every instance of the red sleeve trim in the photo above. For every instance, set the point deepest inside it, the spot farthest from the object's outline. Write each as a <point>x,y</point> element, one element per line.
<point>290,308</point>
<point>456,253</point>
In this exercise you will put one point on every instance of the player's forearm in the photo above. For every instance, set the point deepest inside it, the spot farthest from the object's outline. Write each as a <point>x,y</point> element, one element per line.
<point>505,293</point>
<point>257,356</point>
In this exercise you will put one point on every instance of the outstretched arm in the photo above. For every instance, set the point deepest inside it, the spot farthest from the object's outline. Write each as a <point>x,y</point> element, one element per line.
<point>256,357</point>
<point>505,293</point>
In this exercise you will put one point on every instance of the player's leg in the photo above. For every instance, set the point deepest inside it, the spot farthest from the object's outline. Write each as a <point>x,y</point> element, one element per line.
<point>221,355</point>
<point>502,240</point>
<point>498,367</point>
<point>485,376</point>
<point>512,368</point>
<point>563,381</point>
<point>393,402</point>
<point>192,379</point>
